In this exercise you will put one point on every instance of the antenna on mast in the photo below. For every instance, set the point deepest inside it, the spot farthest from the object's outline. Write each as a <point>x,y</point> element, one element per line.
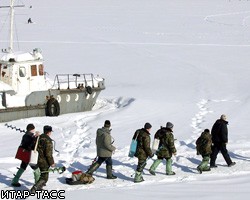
<point>11,7</point>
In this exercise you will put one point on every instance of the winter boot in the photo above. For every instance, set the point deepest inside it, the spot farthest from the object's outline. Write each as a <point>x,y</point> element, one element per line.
<point>212,162</point>
<point>93,168</point>
<point>169,167</point>
<point>204,164</point>
<point>109,172</point>
<point>206,169</point>
<point>154,166</point>
<point>138,177</point>
<point>37,174</point>
<point>38,186</point>
<point>232,164</point>
<point>199,170</point>
<point>15,180</point>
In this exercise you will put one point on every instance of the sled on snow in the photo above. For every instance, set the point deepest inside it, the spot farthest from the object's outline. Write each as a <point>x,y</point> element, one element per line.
<point>79,178</point>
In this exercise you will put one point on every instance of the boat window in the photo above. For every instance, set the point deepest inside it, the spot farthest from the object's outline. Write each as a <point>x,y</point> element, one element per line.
<point>3,72</point>
<point>41,72</point>
<point>22,71</point>
<point>33,70</point>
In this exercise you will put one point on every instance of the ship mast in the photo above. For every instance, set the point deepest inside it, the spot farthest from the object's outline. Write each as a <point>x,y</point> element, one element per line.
<point>11,6</point>
<point>11,24</point>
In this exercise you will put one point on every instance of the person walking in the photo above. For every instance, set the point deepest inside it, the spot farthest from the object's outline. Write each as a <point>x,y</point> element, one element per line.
<point>203,147</point>
<point>166,149</point>
<point>105,148</point>
<point>220,139</point>
<point>28,143</point>
<point>29,21</point>
<point>143,150</point>
<point>45,158</point>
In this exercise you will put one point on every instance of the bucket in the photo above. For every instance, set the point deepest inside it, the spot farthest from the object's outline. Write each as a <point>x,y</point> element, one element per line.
<point>33,158</point>
<point>155,145</point>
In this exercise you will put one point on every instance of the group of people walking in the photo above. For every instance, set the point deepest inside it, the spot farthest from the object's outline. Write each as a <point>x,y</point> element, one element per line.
<point>207,145</point>
<point>104,143</point>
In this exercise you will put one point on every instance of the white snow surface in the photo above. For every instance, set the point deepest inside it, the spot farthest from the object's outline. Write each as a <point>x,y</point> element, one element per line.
<point>183,61</point>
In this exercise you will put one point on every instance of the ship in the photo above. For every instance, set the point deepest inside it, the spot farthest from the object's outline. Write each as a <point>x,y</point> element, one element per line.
<point>26,91</point>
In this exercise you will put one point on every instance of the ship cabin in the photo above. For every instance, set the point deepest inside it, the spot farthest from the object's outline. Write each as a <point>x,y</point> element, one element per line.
<point>24,72</point>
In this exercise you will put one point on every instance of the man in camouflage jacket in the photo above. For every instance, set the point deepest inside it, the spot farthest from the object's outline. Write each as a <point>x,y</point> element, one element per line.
<point>203,147</point>
<point>45,158</point>
<point>143,150</point>
<point>166,149</point>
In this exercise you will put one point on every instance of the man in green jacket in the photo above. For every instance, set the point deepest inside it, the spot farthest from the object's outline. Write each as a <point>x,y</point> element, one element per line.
<point>105,148</point>
<point>204,148</point>
<point>45,158</point>
<point>143,150</point>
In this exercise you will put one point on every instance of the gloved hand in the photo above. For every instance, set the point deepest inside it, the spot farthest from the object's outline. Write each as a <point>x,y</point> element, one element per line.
<point>53,165</point>
<point>37,133</point>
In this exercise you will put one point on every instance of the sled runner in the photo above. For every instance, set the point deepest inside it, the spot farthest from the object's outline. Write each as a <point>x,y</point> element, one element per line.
<point>71,182</point>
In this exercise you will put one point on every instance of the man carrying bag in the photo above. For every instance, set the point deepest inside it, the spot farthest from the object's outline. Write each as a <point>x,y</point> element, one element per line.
<point>23,153</point>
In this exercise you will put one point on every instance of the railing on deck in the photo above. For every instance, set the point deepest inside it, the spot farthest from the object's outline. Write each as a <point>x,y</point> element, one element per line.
<point>72,81</point>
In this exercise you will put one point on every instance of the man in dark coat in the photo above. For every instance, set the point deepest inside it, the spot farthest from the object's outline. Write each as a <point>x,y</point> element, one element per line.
<point>105,148</point>
<point>220,140</point>
<point>143,150</point>
<point>45,158</point>
<point>28,143</point>
<point>166,149</point>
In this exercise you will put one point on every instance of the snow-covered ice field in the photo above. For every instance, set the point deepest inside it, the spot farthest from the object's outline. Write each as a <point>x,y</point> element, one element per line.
<point>184,61</point>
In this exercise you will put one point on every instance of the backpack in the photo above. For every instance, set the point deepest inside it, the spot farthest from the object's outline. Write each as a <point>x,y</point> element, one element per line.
<point>133,145</point>
<point>200,142</point>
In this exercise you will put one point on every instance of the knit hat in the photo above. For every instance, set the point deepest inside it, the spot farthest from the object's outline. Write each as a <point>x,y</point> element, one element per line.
<point>169,125</point>
<point>107,124</point>
<point>147,126</point>
<point>30,127</point>
<point>47,129</point>
<point>206,130</point>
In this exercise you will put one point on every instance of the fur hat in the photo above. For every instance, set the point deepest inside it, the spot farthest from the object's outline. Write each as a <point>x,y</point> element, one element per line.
<point>107,124</point>
<point>169,125</point>
<point>30,127</point>
<point>147,126</point>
